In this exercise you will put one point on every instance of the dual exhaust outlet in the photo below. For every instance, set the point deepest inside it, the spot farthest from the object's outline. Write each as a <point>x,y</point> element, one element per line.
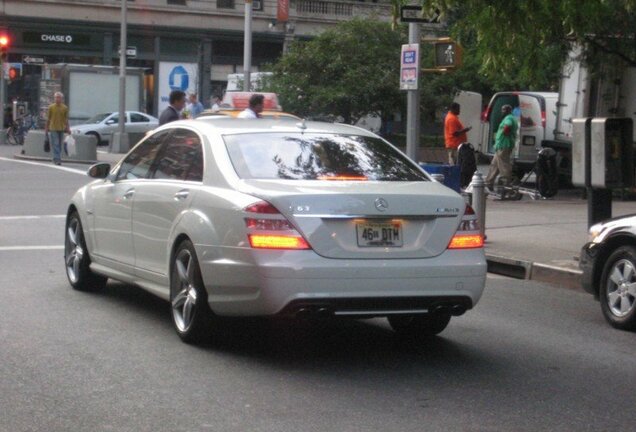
<point>327,311</point>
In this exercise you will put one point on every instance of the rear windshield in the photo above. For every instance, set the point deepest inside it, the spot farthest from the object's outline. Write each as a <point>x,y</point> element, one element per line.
<point>318,157</point>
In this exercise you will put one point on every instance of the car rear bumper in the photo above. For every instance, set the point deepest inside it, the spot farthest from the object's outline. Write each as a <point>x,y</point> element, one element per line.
<point>246,282</point>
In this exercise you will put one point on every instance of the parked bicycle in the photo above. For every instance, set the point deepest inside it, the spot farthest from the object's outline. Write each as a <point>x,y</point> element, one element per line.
<point>17,131</point>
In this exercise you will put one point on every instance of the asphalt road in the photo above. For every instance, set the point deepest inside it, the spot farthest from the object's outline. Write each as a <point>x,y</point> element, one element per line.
<point>529,357</point>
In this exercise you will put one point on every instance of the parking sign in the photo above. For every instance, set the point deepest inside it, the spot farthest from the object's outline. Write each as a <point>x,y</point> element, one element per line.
<point>409,66</point>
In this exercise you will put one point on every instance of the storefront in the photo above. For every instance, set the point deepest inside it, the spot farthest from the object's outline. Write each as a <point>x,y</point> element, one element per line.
<point>208,56</point>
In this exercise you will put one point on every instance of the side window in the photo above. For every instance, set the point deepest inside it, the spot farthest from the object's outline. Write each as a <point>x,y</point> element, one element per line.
<point>137,164</point>
<point>113,120</point>
<point>182,158</point>
<point>138,118</point>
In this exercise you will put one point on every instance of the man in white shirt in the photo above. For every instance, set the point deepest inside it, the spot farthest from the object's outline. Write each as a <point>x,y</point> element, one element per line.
<point>255,109</point>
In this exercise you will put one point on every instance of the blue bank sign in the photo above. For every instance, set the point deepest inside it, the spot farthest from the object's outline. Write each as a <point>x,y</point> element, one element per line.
<point>176,76</point>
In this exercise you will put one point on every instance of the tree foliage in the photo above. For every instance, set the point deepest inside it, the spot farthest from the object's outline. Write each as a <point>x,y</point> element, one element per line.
<point>350,70</point>
<point>528,40</point>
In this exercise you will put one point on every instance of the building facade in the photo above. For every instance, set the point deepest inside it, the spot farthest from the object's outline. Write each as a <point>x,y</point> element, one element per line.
<point>205,35</point>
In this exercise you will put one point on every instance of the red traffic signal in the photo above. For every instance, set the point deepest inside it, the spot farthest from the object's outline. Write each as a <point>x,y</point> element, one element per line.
<point>4,47</point>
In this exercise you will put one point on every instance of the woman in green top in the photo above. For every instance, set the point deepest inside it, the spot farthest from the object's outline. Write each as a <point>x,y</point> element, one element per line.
<point>57,124</point>
<point>504,144</point>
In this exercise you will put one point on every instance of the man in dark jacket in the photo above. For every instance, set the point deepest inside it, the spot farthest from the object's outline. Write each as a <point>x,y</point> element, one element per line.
<point>173,112</point>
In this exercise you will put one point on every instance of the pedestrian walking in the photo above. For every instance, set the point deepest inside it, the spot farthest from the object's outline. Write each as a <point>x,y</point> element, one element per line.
<point>454,132</point>
<point>173,111</point>
<point>194,106</point>
<point>255,109</point>
<point>56,125</point>
<point>504,144</point>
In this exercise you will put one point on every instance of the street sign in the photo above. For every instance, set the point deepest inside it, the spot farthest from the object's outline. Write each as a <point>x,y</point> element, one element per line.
<point>131,52</point>
<point>32,60</point>
<point>409,66</point>
<point>413,14</point>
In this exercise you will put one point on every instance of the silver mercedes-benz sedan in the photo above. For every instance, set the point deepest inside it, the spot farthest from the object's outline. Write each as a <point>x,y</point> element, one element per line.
<point>230,217</point>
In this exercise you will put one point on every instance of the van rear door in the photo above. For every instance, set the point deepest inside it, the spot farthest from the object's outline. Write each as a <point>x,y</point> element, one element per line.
<point>531,126</point>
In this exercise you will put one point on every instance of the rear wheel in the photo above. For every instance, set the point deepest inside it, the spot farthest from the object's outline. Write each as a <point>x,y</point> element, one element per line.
<point>419,325</point>
<point>618,289</point>
<point>77,260</point>
<point>191,315</point>
<point>96,135</point>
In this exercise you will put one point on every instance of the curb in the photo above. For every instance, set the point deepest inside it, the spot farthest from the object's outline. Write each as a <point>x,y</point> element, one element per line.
<point>561,277</point>
<point>46,159</point>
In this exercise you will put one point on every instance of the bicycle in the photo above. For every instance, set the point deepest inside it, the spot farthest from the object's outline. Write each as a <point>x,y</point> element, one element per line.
<point>17,131</point>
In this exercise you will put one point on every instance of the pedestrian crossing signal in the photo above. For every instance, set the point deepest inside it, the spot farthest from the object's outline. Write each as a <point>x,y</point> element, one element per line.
<point>448,54</point>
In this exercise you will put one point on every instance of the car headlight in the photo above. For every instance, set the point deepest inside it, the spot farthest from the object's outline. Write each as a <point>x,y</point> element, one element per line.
<point>594,232</point>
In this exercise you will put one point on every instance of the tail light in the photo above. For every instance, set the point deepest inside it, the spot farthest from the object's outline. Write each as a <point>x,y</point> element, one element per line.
<point>543,119</point>
<point>267,228</point>
<point>467,235</point>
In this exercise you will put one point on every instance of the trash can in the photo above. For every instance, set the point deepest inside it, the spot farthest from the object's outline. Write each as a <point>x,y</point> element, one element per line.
<point>451,174</point>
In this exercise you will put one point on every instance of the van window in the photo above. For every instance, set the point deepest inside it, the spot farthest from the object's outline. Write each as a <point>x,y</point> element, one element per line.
<point>530,112</point>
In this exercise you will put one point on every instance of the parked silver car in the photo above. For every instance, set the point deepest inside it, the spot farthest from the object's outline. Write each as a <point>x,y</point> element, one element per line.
<point>231,217</point>
<point>102,126</point>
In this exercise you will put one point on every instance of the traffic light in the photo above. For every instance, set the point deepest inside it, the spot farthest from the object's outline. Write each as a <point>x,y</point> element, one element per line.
<point>4,47</point>
<point>448,54</point>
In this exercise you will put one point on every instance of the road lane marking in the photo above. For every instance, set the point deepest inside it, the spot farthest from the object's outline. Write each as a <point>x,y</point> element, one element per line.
<point>46,164</point>
<point>9,218</point>
<point>29,248</point>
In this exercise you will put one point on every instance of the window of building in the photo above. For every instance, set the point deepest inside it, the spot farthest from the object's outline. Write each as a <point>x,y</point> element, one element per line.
<point>225,4</point>
<point>177,2</point>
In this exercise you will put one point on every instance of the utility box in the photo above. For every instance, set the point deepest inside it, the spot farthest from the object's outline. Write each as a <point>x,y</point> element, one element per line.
<point>581,140</point>
<point>612,154</point>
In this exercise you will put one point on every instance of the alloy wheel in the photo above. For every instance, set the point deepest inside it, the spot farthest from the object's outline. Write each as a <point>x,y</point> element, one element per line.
<point>74,250</point>
<point>185,300</point>
<point>621,288</point>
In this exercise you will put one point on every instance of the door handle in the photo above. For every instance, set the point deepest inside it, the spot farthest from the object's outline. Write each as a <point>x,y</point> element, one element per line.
<point>181,195</point>
<point>129,194</point>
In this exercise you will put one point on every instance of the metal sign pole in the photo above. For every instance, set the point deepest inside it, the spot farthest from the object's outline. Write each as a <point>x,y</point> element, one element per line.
<point>413,107</point>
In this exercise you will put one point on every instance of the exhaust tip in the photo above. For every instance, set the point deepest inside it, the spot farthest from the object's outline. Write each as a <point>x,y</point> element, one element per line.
<point>458,310</point>
<point>441,309</point>
<point>324,312</point>
<point>303,312</point>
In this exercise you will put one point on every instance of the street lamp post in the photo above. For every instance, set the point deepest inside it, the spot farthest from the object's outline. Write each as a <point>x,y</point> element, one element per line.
<point>119,142</point>
<point>247,46</point>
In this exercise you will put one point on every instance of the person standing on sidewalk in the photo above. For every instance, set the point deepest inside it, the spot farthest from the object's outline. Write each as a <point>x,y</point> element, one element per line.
<point>454,132</point>
<point>504,143</point>
<point>173,111</point>
<point>57,124</point>
<point>194,106</point>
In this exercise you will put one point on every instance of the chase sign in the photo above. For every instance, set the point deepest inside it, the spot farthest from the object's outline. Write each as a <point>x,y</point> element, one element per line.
<point>179,79</point>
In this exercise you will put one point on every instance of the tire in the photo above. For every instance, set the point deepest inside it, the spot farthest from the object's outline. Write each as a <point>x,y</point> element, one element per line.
<point>191,315</point>
<point>547,185</point>
<point>617,292</point>
<point>419,325</point>
<point>77,260</point>
<point>97,137</point>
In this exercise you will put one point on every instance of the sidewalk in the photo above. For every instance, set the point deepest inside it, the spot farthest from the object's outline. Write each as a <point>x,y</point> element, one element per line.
<point>529,239</point>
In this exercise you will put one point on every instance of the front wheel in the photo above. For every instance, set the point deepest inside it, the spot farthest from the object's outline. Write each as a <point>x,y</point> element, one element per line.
<point>618,289</point>
<point>77,260</point>
<point>419,325</point>
<point>191,315</point>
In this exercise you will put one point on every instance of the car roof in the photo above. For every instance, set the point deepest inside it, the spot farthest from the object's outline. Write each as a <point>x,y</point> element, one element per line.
<point>226,126</point>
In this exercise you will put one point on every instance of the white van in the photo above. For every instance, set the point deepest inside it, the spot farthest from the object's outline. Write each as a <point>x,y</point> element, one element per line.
<point>536,116</point>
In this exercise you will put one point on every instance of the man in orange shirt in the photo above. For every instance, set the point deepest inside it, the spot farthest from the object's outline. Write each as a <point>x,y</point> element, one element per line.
<point>454,132</point>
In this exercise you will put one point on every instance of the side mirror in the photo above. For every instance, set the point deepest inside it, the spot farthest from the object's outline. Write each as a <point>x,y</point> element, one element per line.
<point>110,122</point>
<point>99,171</point>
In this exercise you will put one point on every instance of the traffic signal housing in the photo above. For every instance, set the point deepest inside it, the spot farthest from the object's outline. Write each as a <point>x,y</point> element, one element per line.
<point>4,47</point>
<point>448,54</point>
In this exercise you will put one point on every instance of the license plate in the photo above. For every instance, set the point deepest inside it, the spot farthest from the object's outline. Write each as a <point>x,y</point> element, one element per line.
<point>376,234</point>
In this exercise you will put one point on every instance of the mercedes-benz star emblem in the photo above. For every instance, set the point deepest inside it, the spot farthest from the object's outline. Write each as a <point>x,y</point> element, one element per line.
<point>381,204</point>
